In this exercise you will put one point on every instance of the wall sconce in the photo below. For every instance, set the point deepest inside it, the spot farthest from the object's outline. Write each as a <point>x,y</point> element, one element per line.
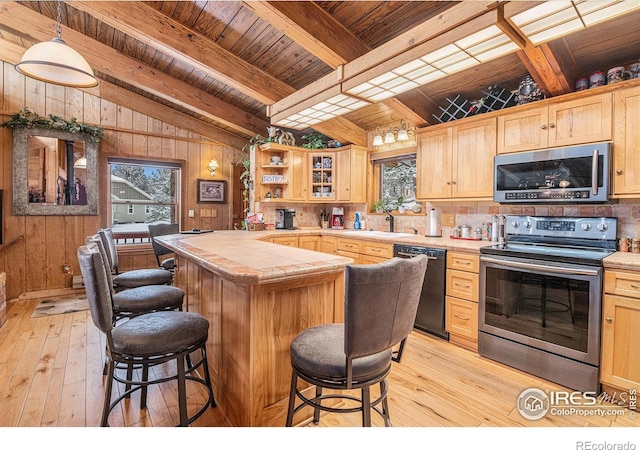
<point>212,167</point>
<point>56,63</point>
<point>403,133</point>
<point>81,163</point>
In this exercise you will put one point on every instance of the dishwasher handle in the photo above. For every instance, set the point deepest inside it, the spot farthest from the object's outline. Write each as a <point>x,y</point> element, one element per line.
<point>411,255</point>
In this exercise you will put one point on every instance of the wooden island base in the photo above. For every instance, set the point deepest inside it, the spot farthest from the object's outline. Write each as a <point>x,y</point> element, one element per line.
<point>254,318</point>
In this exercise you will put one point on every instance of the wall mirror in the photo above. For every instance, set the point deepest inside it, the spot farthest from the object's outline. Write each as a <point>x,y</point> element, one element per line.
<point>54,173</point>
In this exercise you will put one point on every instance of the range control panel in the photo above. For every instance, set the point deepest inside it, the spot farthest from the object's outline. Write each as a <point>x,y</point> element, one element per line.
<point>600,228</point>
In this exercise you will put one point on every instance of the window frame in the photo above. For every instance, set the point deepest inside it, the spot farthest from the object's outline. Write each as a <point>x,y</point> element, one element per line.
<point>143,238</point>
<point>380,158</point>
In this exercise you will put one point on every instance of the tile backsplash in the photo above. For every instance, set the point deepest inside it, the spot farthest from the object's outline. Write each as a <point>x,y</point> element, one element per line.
<point>473,214</point>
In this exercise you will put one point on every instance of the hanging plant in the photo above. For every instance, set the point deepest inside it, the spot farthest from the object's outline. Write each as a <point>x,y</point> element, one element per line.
<point>26,118</point>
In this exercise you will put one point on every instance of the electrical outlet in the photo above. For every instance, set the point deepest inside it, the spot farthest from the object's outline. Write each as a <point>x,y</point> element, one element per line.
<point>192,213</point>
<point>214,213</point>
<point>449,220</point>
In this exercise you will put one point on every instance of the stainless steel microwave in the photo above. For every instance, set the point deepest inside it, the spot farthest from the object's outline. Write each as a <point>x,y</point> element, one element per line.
<point>577,174</point>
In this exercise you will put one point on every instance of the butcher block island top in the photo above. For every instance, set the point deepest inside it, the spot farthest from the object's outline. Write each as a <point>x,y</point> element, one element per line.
<point>257,297</point>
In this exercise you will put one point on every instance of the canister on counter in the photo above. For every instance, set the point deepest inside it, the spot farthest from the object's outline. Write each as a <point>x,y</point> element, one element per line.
<point>466,232</point>
<point>635,246</point>
<point>623,244</point>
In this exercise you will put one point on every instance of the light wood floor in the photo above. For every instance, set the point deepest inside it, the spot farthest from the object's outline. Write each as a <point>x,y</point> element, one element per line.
<point>51,376</point>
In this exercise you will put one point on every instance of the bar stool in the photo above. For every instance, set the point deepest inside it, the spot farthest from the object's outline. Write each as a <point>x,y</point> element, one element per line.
<point>381,301</point>
<point>131,278</point>
<point>146,341</point>
<point>160,251</point>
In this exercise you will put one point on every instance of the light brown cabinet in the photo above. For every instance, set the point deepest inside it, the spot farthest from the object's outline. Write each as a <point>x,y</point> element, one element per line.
<point>620,365</point>
<point>290,241</point>
<point>626,159</point>
<point>284,180</point>
<point>309,242</point>
<point>338,175</point>
<point>351,172</point>
<point>583,120</point>
<point>461,301</point>
<point>364,251</point>
<point>457,161</point>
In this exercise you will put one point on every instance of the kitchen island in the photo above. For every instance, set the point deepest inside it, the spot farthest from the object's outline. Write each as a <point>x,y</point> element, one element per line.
<point>257,297</point>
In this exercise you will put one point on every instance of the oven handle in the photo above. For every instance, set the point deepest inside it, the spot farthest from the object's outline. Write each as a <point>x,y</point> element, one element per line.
<point>594,173</point>
<point>551,269</point>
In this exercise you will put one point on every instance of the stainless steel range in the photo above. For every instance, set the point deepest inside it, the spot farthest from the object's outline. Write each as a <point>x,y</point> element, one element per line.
<point>540,297</point>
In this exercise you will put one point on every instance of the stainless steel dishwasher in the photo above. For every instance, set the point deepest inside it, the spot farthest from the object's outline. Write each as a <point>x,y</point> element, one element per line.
<point>431,313</point>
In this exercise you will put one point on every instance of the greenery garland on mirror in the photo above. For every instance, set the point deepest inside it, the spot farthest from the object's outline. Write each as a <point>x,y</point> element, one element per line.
<point>26,118</point>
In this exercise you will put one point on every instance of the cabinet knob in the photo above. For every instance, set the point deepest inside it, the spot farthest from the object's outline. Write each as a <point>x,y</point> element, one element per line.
<point>453,182</point>
<point>608,320</point>
<point>619,171</point>
<point>544,127</point>
<point>551,125</point>
<point>448,182</point>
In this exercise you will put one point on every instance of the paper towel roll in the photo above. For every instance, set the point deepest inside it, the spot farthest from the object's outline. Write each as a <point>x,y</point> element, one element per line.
<point>433,223</point>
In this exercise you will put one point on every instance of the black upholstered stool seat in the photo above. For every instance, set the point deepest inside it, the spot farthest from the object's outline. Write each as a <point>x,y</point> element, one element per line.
<point>140,300</point>
<point>142,277</point>
<point>319,352</point>
<point>159,333</point>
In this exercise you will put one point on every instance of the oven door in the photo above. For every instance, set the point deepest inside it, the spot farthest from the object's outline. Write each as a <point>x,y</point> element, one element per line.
<point>548,306</point>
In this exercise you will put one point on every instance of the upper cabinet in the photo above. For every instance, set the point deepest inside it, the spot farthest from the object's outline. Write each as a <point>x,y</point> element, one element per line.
<point>580,121</point>
<point>457,161</point>
<point>294,174</point>
<point>626,163</point>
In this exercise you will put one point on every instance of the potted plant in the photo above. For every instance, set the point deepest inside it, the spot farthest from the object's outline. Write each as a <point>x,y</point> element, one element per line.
<point>314,141</point>
<point>400,205</point>
<point>381,206</point>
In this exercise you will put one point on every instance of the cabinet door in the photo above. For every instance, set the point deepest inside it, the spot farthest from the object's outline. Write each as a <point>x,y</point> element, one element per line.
<point>626,163</point>
<point>322,176</point>
<point>581,121</point>
<point>297,172</point>
<point>620,365</point>
<point>308,242</point>
<point>474,146</point>
<point>434,163</point>
<point>352,175</point>
<point>524,130</point>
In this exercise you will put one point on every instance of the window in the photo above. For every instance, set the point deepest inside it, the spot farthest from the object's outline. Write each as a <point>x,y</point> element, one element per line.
<point>397,181</point>
<point>142,192</point>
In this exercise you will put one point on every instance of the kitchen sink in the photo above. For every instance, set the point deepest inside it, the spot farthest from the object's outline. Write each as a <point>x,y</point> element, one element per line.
<point>381,234</point>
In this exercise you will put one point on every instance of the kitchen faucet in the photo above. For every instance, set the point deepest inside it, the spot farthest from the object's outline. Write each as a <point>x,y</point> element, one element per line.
<point>390,220</point>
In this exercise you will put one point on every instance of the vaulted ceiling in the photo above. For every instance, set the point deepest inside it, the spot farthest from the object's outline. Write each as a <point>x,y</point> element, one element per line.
<point>231,65</point>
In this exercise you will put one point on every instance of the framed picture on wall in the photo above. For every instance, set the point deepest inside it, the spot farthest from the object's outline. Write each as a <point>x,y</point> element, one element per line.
<point>212,191</point>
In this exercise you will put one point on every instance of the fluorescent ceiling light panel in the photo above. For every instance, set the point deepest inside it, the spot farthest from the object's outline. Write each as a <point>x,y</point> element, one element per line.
<point>553,19</point>
<point>322,111</point>
<point>470,51</point>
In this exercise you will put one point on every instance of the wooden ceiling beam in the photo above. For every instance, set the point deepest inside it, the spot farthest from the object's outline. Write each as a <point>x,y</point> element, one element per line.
<point>174,39</point>
<point>313,28</point>
<point>541,62</point>
<point>12,52</point>
<point>105,59</point>
<point>343,130</point>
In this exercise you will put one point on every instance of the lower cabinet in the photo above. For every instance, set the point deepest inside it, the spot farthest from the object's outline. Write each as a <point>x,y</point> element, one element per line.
<point>309,242</point>
<point>620,365</point>
<point>291,241</point>
<point>461,307</point>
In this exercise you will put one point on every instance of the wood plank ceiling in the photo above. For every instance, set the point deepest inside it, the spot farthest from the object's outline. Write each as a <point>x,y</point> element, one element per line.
<point>222,64</point>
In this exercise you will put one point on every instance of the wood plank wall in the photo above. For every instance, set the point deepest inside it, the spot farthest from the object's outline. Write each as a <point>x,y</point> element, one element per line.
<point>35,248</point>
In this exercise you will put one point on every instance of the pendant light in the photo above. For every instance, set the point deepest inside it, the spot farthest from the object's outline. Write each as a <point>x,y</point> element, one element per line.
<point>56,63</point>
